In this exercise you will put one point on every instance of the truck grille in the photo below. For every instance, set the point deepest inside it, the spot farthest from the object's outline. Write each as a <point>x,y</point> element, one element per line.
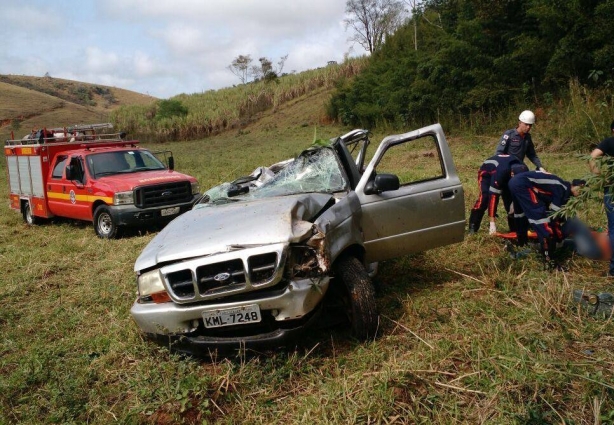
<point>262,267</point>
<point>163,194</point>
<point>219,278</point>
<point>214,276</point>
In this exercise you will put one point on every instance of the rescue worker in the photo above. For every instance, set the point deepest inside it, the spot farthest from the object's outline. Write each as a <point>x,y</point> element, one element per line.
<point>536,196</point>
<point>493,175</point>
<point>606,148</point>
<point>517,141</point>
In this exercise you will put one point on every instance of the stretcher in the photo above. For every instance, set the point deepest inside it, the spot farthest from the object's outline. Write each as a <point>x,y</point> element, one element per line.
<point>591,243</point>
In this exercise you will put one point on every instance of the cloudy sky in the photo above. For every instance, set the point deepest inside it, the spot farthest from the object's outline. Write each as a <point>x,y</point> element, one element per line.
<point>167,47</point>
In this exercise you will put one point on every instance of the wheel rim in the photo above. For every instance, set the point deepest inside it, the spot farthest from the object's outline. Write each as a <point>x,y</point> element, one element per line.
<point>105,223</point>
<point>29,218</point>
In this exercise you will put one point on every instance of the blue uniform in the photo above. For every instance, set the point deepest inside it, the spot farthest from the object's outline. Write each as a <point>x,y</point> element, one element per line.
<point>536,195</point>
<point>499,183</point>
<point>493,175</point>
<point>513,143</point>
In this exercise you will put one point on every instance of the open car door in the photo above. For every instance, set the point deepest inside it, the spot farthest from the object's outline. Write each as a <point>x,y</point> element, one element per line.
<point>411,196</point>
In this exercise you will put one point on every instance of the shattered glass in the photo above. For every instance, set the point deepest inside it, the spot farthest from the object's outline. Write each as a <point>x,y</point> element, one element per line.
<point>314,170</point>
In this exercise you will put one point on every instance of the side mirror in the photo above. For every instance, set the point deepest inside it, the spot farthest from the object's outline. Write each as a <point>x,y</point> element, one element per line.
<point>382,183</point>
<point>171,163</point>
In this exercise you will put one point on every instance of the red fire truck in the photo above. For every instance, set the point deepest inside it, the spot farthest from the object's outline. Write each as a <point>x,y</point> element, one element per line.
<point>79,173</point>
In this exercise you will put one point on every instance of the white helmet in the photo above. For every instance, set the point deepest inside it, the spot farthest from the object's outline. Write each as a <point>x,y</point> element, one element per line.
<point>527,117</point>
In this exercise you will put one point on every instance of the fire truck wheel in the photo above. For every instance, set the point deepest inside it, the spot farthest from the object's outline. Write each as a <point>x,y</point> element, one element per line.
<point>104,225</point>
<point>28,217</point>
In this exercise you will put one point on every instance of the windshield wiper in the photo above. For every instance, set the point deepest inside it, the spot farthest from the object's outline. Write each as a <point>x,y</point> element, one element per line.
<point>137,169</point>
<point>106,173</point>
<point>220,201</point>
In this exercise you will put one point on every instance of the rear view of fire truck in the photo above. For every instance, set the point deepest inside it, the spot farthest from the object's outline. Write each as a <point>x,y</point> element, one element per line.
<point>79,173</point>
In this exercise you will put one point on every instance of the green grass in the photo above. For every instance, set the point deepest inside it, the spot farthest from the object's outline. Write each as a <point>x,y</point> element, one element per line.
<point>468,335</point>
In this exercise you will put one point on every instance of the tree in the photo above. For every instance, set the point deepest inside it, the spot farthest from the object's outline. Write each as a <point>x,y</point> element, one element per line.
<point>373,20</point>
<point>266,66</point>
<point>414,4</point>
<point>240,67</point>
<point>266,70</point>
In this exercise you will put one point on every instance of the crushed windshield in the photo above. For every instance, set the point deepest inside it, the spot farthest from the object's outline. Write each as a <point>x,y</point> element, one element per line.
<point>314,170</point>
<point>118,162</point>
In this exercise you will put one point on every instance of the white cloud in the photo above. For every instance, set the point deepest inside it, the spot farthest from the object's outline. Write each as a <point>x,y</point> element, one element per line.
<point>97,61</point>
<point>183,40</point>
<point>168,47</point>
<point>144,65</point>
<point>26,18</point>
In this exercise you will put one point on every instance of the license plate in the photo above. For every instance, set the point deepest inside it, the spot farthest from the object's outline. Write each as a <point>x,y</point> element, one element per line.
<point>232,316</point>
<point>169,211</point>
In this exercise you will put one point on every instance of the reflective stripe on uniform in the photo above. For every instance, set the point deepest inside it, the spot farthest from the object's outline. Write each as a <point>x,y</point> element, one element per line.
<point>546,181</point>
<point>540,221</point>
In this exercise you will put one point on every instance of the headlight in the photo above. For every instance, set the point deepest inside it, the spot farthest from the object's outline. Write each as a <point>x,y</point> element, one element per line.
<point>151,288</point>
<point>195,188</point>
<point>123,198</point>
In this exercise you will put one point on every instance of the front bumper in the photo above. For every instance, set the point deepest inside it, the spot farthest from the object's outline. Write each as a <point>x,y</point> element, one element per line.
<point>202,345</point>
<point>285,314</point>
<point>129,215</point>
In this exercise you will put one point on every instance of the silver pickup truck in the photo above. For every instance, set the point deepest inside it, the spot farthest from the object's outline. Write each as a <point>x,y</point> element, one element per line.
<point>256,260</point>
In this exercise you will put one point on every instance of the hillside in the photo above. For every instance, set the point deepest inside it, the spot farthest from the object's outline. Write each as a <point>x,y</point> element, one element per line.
<point>468,333</point>
<point>35,102</point>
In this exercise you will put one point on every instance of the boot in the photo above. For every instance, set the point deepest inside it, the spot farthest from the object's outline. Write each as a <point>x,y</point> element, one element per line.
<point>522,238</point>
<point>511,222</point>
<point>547,247</point>
<point>522,229</point>
<point>475,219</point>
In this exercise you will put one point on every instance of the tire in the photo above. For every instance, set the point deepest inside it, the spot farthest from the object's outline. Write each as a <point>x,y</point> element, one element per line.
<point>359,297</point>
<point>104,224</point>
<point>28,217</point>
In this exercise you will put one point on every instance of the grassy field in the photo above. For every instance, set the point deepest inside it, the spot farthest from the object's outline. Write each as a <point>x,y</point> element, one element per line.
<point>468,334</point>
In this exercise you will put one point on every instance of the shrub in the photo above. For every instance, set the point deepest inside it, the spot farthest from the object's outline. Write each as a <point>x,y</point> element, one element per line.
<point>170,108</point>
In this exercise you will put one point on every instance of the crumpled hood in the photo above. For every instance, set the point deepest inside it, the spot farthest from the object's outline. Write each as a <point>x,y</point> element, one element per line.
<point>222,228</point>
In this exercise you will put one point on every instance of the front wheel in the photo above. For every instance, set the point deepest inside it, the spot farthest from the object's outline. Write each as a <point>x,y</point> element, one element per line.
<point>104,224</point>
<point>359,297</point>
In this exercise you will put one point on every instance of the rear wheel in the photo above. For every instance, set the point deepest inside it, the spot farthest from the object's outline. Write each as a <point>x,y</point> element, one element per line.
<point>28,217</point>
<point>358,297</point>
<point>104,224</point>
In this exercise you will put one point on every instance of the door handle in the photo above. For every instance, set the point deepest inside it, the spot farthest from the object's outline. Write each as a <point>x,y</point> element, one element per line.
<point>446,194</point>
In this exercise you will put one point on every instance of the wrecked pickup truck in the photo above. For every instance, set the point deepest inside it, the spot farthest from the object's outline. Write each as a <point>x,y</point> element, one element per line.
<point>254,263</point>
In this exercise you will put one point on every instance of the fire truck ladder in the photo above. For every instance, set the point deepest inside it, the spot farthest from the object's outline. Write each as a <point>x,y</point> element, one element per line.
<point>77,133</point>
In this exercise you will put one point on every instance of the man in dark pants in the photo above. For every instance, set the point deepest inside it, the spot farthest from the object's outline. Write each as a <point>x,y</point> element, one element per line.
<point>536,196</point>
<point>493,175</point>
<point>518,142</point>
<point>499,188</point>
<point>606,148</point>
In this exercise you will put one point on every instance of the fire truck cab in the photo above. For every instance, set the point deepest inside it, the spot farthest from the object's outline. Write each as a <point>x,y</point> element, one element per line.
<point>103,178</point>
